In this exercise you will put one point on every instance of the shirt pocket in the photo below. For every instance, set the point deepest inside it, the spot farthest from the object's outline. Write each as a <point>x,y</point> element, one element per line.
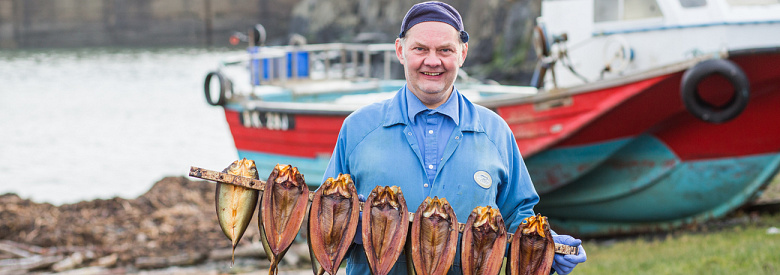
<point>478,187</point>
<point>477,179</point>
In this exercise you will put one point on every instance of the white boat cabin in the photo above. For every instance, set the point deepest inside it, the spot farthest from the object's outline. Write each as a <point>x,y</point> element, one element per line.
<point>586,41</point>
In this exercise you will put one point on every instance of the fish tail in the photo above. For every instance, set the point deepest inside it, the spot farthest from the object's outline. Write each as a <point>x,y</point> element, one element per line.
<point>233,257</point>
<point>235,243</point>
<point>274,267</point>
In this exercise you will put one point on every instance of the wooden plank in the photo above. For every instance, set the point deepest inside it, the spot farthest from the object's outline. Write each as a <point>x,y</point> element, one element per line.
<point>260,185</point>
<point>24,265</point>
<point>566,250</point>
<point>10,248</point>
<point>227,178</point>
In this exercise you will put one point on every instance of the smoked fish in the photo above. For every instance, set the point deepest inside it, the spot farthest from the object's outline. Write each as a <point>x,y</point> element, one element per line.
<point>235,204</point>
<point>484,242</point>
<point>434,237</point>
<point>333,221</point>
<point>385,226</point>
<point>283,209</point>
<point>532,248</point>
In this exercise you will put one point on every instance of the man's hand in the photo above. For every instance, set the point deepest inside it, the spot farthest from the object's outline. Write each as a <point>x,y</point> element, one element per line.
<point>359,234</point>
<point>564,264</point>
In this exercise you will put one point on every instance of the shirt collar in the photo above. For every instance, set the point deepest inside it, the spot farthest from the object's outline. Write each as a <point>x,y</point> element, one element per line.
<point>414,106</point>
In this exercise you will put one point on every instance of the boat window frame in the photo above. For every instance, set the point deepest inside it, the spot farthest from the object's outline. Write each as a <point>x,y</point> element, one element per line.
<point>621,24</point>
<point>692,4</point>
<point>602,8</point>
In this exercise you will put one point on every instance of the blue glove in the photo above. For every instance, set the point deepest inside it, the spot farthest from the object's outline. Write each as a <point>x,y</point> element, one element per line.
<point>564,264</point>
<point>359,234</point>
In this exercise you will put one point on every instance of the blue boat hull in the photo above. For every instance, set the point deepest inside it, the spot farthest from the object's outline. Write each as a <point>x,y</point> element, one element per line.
<point>644,187</point>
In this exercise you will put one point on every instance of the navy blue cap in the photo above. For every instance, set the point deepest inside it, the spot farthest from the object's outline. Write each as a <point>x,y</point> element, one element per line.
<point>433,11</point>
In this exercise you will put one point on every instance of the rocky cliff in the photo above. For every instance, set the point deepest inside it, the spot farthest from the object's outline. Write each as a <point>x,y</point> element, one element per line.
<point>500,30</point>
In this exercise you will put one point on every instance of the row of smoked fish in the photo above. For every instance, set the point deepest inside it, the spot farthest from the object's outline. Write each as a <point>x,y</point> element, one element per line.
<point>334,213</point>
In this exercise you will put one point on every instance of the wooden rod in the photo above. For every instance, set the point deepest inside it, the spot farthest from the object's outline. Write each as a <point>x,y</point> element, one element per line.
<point>227,178</point>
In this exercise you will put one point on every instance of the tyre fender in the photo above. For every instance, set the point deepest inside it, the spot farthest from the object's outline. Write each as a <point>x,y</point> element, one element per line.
<point>704,110</point>
<point>225,88</point>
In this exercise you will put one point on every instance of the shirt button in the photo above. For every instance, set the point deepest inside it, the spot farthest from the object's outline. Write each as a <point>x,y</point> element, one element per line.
<point>430,166</point>
<point>425,185</point>
<point>430,132</point>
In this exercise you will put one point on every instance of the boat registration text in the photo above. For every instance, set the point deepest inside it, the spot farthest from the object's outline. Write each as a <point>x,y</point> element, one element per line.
<point>268,120</point>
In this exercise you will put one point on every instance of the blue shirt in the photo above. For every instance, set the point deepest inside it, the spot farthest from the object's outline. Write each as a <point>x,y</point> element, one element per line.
<point>432,128</point>
<point>480,165</point>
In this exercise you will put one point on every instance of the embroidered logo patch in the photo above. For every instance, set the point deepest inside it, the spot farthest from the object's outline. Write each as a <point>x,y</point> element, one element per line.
<point>483,179</point>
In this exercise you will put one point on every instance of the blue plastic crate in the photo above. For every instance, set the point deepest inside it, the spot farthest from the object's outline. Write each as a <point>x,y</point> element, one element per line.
<point>302,70</point>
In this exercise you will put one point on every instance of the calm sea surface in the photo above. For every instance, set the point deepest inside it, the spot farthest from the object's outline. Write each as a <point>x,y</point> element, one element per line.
<point>97,123</point>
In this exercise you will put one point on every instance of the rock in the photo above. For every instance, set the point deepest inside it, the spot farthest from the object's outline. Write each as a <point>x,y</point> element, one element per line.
<point>151,262</point>
<point>107,261</point>
<point>253,250</point>
<point>16,266</point>
<point>69,263</point>
<point>93,270</point>
<point>9,247</point>
<point>186,259</point>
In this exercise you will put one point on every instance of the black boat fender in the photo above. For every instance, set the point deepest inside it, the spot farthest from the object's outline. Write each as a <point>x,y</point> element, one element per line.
<point>705,110</point>
<point>225,89</point>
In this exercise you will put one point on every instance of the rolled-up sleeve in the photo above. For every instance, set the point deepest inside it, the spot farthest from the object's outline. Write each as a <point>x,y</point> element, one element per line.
<point>338,160</point>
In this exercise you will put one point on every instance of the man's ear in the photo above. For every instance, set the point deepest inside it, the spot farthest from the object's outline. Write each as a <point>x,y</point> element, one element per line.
<point>399,50</point>
<point>463,53</point>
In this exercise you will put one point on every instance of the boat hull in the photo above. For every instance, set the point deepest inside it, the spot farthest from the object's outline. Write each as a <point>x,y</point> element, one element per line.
<point>591,131</point>
<point>645,187</point>
<point>647,164</point>
<point>619,158</point>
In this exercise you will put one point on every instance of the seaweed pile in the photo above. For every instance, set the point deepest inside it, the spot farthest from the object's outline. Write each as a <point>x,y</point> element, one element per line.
<point>172,224</point>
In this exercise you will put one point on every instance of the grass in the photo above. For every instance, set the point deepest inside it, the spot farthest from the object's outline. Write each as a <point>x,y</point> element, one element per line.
<point>743,248</point>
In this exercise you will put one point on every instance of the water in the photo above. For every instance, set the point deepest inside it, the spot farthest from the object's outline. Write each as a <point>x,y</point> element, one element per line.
<point>97,123</point>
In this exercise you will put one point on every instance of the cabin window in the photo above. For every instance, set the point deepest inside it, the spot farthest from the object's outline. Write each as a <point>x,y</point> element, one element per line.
<point>693,3</point>
<point>615,10</point>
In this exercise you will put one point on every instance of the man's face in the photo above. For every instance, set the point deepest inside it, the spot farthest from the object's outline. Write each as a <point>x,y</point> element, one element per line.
<point>431,54</point>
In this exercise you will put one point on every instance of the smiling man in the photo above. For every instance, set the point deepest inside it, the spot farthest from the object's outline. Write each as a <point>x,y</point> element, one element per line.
<point>431,141</point>
<point>431,52</point>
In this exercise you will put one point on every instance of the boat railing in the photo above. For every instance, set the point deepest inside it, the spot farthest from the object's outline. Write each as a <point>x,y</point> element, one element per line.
<point>288,65</point>
<point>322,70</point>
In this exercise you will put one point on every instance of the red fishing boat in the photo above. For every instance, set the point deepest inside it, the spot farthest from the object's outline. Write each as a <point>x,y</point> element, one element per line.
<point>641,116</point>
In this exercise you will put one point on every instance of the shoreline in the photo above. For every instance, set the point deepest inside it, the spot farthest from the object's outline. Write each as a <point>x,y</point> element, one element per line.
<point>172,224</point>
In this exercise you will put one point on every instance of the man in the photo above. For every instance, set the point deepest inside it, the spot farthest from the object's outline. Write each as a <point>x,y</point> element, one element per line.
<point>431,141</point>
